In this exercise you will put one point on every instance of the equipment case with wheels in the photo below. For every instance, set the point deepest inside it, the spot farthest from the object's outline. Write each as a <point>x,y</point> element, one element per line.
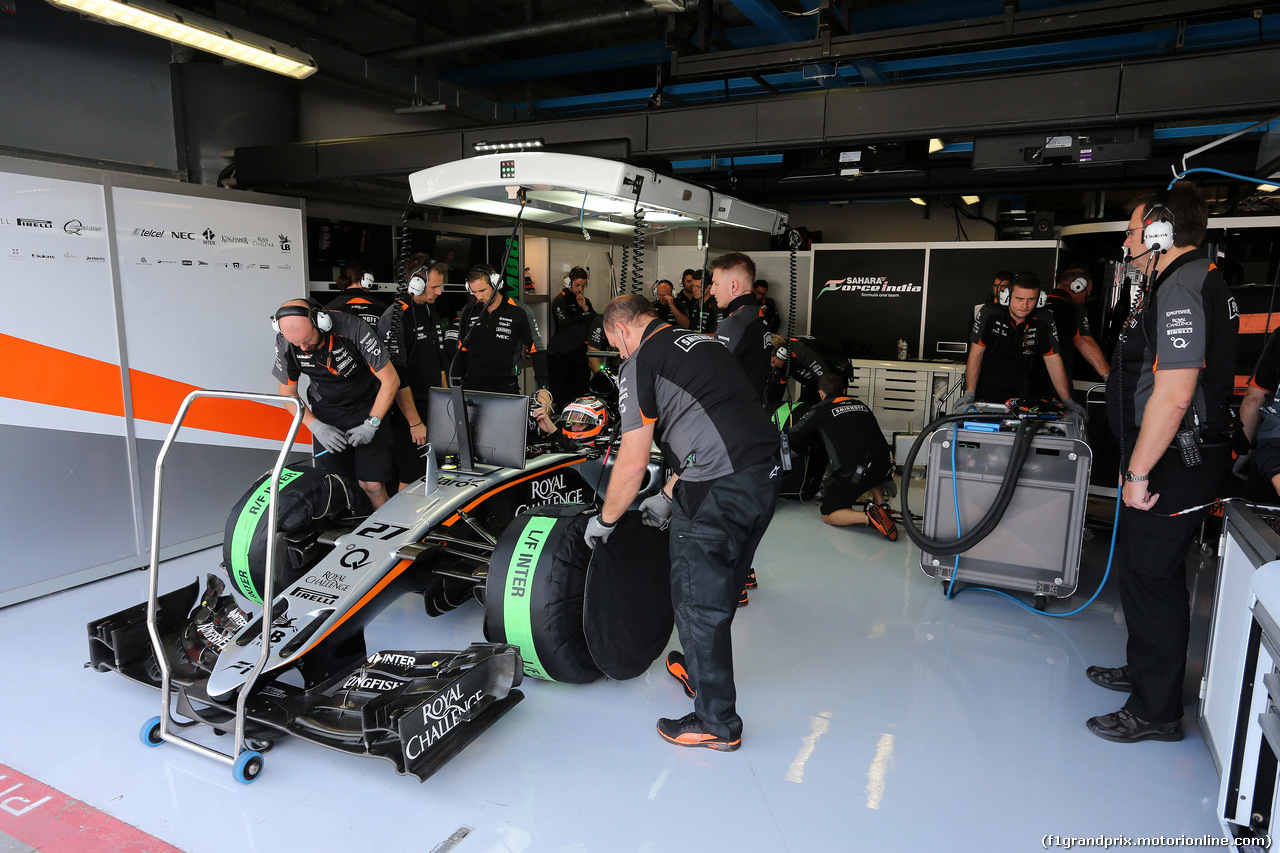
<point>1035,548</point>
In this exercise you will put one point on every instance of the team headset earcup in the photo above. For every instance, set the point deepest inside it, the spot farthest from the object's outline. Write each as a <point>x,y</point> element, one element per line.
<point>417,285</point>
<point>320,318</point>
<point>1078,285</point>
<point>1157,235</point>
<point>1042,299</point>
<point>1004,294</point>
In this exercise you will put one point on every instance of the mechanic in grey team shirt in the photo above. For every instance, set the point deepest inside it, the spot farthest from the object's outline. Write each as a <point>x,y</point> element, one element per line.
<point>352,386</point>
<point>1172,373</point>
<point>684,389</point>
<point>742,327</point>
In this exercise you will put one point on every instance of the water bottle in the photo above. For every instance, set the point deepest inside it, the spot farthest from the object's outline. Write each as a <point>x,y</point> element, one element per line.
<point>902,349</point>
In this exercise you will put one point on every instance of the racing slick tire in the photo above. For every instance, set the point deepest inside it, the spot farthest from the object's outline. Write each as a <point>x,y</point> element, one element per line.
<point>310,501</point>
<point>534,593</point>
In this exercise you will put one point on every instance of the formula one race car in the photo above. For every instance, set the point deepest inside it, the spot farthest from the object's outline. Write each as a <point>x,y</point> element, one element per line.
<point>509,537</point>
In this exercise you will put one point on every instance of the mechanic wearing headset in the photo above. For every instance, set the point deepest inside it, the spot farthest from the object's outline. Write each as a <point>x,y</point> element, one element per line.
<point>683,389</point>
<point>742,327</point>
<point>410,331</point>
<point>571,315</point>
<point>810,361</point>
<point>1172,377</point>
<point>494,333</point>
<point>357,299</point>
<point>352,386</point>
<point>772,319</point>
<point>664,305</point>
<point>1005,341</point>
<point>1065,304</point>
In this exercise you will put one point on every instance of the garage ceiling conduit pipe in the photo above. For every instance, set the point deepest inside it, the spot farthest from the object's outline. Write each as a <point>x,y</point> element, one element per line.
<point>547,28</point>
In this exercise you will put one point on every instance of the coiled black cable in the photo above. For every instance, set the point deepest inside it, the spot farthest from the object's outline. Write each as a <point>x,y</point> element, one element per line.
<point>1027,429</point>
<point>637,250</point>
<point>400,301</point>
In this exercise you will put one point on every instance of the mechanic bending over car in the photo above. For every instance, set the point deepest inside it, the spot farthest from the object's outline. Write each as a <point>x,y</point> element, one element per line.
<point>410,331</point>
<point>493,335</point>
<point>683,388</point>
<point>859,455</point>
<point>1260,417</point>
<point>352,386</point>
<point>1005,342</point>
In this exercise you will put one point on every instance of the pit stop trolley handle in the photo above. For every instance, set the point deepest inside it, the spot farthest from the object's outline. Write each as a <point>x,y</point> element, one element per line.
<point>246,764</point>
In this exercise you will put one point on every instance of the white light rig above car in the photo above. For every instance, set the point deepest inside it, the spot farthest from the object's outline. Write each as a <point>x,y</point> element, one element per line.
<point>587,192</point>
<point>507,145</point>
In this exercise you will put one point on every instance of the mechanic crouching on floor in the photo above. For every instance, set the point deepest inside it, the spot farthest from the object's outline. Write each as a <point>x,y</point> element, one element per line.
<point>859,456</point>
<point>1172,376</point>
<point>685,388</point>
<point>352,386</point>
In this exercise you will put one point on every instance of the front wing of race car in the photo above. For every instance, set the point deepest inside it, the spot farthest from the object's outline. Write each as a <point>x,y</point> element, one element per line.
<point>416,709</point>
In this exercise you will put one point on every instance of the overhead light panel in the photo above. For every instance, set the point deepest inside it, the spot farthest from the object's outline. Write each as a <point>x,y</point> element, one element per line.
<point>508,145</point>
<point>918,201</point>
<point>970,199</point>
<point>201,33</point>
<point>1267,188</point>
<point>936,145</point>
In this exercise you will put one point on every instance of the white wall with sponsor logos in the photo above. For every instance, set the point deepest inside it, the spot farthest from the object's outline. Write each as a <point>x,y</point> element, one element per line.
<point>124,294</point>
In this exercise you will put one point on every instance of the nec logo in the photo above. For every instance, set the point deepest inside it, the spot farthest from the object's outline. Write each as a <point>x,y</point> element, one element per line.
<point>182,235</point>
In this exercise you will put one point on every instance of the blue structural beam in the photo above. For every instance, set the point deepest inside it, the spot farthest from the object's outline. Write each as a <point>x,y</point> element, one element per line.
<point>1054,54</point>
<point>771,22</point>
<point>652,52</point>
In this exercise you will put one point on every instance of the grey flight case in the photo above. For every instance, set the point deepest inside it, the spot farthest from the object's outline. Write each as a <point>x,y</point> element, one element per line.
<point>1036,546</point>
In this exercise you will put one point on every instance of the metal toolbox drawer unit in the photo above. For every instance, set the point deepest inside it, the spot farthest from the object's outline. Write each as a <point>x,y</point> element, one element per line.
<point>1036,546</point>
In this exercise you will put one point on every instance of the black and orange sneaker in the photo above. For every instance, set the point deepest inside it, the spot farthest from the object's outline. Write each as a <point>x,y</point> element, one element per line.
<point>743,602</point>
<point>687,731</point>
<point>675,666</point>
<point>751,579</point>
<point>879,517</point>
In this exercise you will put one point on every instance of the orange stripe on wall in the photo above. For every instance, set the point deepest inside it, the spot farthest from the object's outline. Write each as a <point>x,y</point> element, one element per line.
<point>55,377</point>
<point>1255,324</point>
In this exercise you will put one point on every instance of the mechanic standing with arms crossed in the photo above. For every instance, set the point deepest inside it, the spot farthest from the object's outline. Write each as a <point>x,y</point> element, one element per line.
<point>1172,376</point>
<point>352,386</point>
<point>684,387</point>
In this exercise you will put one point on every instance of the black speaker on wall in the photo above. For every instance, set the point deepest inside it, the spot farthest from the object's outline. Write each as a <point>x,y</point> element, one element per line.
<point>1042,226</point>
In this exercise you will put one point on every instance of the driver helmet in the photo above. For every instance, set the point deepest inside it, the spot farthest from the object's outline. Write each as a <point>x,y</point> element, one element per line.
<point>584,419</point>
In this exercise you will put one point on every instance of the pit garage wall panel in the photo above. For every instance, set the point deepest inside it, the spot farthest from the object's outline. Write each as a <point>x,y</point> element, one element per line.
<point>105,348</point>
<point>68,501</point>
<point>200,277</point>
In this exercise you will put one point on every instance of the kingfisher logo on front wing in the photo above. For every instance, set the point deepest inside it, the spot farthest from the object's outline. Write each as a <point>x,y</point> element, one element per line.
<point>872,285</point>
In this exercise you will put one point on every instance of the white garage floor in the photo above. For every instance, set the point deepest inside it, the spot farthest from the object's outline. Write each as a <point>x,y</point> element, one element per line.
<point>879,716</point>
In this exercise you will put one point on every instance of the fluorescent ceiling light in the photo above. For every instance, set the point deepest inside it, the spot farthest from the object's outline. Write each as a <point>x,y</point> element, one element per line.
<point>183,27</point>
<point>508,145</point>
<point>918,201</point>
<point>936,145</point>
<point>970,199</point>
<point>1267,188</point>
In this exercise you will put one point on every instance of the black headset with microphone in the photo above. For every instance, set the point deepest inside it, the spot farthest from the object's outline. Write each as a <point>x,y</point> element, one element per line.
<point>320,318</point>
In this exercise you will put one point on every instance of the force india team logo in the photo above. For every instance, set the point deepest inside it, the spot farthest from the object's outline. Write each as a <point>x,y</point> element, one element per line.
<point>873,285</point>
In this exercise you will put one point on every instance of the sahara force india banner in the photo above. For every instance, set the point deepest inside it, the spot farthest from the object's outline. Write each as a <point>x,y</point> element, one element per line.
<point>864,300</point>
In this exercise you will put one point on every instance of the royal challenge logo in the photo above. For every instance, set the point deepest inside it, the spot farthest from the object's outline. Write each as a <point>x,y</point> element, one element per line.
<point>868,285</point>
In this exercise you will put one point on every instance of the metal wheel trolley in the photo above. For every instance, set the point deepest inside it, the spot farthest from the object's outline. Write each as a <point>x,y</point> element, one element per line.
<point>246,764</point>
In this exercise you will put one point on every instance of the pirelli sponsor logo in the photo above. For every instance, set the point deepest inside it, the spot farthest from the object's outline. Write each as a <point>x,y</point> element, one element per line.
<point>313,595</point>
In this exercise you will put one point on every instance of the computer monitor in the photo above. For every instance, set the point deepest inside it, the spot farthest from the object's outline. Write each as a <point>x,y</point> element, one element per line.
<point>499,426</point>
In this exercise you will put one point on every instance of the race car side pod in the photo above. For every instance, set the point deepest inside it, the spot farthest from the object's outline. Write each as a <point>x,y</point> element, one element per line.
<point>246,764</point>
<point>1027,428</point>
